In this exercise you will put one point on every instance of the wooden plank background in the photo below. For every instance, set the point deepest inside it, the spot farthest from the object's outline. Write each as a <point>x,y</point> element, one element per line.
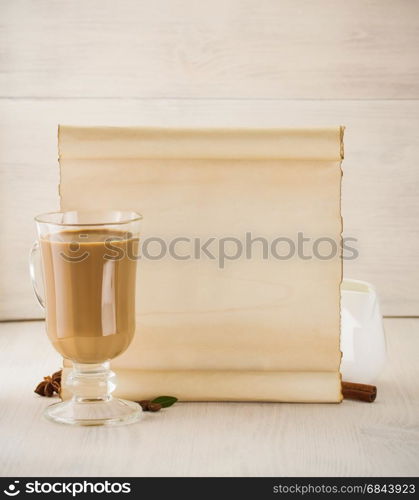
<point>226,63</point>
<point>219,48</point>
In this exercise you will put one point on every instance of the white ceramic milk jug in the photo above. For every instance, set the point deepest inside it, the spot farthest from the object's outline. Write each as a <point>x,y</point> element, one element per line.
<point>362,335</point>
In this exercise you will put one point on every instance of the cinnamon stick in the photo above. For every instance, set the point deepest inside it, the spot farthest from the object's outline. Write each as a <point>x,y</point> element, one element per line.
<point>360,392</point>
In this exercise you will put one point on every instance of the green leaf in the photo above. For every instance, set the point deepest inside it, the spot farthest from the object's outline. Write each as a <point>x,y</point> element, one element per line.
<point>165,401</point>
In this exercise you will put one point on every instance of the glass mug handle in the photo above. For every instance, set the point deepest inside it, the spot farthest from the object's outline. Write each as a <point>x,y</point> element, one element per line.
<point>33,255</point>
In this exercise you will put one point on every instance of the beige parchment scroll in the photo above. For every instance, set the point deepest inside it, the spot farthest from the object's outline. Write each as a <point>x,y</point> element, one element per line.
<point>244,328</point>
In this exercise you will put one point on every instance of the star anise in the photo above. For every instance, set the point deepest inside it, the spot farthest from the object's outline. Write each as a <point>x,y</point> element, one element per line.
<point>50,385</point>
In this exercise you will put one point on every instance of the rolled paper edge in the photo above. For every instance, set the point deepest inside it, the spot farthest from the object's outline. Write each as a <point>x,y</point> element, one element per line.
<point>76,142</point>
<point>197,385</point>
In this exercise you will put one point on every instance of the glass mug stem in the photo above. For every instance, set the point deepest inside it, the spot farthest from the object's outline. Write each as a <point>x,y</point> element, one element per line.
<point>91,382</point>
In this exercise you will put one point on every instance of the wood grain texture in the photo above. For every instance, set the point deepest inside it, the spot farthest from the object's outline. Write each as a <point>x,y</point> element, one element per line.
<point>222,48</point>
<point>213,439</point>
<point>380,183</point>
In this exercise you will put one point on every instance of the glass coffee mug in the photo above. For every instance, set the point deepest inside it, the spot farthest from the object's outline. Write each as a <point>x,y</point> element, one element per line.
<point>89,264</point>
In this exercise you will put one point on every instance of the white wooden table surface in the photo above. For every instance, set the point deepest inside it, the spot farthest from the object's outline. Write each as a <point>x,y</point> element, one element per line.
<point>213,439</point>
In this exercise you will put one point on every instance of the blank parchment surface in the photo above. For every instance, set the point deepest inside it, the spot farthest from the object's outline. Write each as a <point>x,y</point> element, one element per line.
<point>254,328</point>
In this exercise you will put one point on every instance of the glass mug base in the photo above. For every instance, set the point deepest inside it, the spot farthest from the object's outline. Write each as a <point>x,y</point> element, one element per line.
<point>92,402</point>
<point>87,412</point>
